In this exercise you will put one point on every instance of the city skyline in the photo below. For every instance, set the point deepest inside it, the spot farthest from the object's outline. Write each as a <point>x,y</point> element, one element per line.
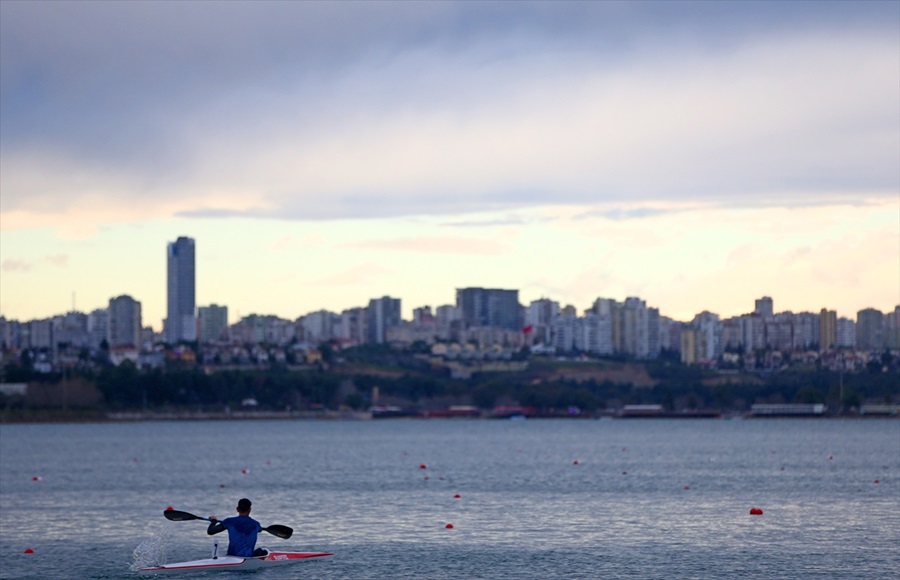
<point>697,155</point>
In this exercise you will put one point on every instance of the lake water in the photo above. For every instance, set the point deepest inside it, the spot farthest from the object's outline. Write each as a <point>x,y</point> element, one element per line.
<point>537,498</point>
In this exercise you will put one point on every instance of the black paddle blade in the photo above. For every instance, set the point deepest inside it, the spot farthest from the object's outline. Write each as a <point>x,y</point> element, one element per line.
<point>282,532</point>
<point>180,516</point>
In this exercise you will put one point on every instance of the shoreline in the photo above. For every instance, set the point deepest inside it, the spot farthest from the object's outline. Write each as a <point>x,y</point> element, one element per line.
<point>59,416</point>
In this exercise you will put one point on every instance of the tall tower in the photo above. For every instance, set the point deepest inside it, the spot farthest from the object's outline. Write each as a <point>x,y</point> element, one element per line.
<point>827,329</point>
<point>382,313</point>
<point>181,322</point>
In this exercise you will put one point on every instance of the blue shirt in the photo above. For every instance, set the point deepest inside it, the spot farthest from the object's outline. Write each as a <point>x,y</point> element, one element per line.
<point>242,532</point>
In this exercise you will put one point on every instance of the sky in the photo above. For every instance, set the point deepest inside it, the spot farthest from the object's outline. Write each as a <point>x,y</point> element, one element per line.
<point>698,155</point>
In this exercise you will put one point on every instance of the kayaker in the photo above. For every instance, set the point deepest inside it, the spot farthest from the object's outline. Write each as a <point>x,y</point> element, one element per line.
<point>242,531</point>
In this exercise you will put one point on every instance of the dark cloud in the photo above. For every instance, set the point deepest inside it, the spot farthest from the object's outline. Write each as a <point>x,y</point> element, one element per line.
<point>136,90</point>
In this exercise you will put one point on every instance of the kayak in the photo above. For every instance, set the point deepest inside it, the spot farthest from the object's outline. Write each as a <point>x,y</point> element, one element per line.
<point>238,563</point>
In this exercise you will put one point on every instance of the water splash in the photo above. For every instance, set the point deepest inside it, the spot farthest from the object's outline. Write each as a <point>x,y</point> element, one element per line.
<point>152,551</point>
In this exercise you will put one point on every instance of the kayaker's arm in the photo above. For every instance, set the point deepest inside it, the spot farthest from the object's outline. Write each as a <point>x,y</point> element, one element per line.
<point>215,526</point>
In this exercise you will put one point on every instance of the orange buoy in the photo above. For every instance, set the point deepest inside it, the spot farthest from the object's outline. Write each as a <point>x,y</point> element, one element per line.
<point>756,512</point>
<point>449,526</point>
<point>29,551</point>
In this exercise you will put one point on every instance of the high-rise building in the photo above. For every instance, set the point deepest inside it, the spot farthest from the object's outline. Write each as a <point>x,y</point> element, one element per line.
<point>846,332</point>
<point>353,326</point>
<point>383,313</point>
<point>489,307</point>
<point>181,322</point>
<point>98,327</point>
<point>870,329</point>
<point>892,329</point>
<point>765,307</point>
<point>827,329</point>
<point>124,322</point>
<point>213,322</point>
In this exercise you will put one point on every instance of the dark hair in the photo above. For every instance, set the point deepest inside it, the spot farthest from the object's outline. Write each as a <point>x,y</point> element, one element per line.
<point>244,505</point>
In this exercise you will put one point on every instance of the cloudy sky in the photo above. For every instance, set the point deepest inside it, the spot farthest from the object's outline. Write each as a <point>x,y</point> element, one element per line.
<point>698,155</point>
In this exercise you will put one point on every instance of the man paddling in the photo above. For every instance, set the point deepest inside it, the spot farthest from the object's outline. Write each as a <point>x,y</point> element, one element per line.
<point>242,531</point>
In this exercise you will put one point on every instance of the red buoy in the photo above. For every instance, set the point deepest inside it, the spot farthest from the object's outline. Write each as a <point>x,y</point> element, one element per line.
<point>756,512</point>
<point>449,526</point>
<point>36,478</point>
<point>169,508</point>
<point>687,487</point>
<point>575,462</point>
<point>876,481</point>
<point>423,466</point>
<point>244,471</point>
<point>29,551</point>
<point>457,496</point>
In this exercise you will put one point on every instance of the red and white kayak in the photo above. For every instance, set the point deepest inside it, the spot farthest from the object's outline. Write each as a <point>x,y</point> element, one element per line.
<point>238,563</point>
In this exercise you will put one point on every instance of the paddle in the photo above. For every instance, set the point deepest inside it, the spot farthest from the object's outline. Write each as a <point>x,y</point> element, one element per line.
<point>282,532</point>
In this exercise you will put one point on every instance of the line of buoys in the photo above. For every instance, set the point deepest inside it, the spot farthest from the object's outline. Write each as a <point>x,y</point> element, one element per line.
<point>756,512</point>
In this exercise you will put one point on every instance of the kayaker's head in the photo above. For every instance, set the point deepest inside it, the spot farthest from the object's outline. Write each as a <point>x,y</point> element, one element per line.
<point>243,506</point>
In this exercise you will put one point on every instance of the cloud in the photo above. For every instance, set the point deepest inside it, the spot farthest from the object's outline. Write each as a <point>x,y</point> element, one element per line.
<point>16,266</point>
<point>310,111</point>
<point>435,245</point>
<point>60,260</point>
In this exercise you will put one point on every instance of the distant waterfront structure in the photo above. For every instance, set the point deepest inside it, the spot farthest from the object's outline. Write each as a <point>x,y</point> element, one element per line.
<point>181,322</point>
<point>124,322</point>
<point>489,307</point>
<point>383,313</point>
<point>213,322</point>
